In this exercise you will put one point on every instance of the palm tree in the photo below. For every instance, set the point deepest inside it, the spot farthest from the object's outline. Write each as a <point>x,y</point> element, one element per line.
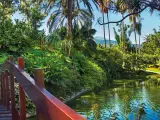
<point>119,38</point>
<point>107,3</point>
<point>103,5</point>
<point>58,18</point>
<point>104,31</point>
<point>138,29</point>
<point>69,14</point>
<point>109,34</point>
<point>69,9</point>
<point>77,15</point>
<point>122,7</point>
<point>133,27</point>
<point>133,18</point>
<point>69,17</point>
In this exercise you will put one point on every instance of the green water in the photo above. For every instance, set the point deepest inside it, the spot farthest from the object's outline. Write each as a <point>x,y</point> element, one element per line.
<point>133,102</point>
<point>31,118</point>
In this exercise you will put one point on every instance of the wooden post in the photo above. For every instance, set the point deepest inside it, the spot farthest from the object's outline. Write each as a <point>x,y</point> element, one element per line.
<point>1,87</point>
<point>3,79</point>
<point>39,78</point>
<point>11,58</point>
<point>12,91</point>
<point>7,89</point>
<point>22,99</point>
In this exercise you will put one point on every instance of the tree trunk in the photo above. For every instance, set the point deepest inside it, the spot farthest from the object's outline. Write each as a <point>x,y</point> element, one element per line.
<point>139,44</point>
<point>139,33</point>
<point>135,35</point>
<point>123,32</point>
<point>104,32</point>
<point>69,26</point>
<point>109,31</point>
<point>69,18</point>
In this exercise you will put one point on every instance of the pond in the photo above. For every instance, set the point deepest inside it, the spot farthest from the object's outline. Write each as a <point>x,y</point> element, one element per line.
<point>133,102</point>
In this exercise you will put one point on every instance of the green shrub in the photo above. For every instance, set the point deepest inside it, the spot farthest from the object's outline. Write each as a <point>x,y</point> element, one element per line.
<point>134,62</point>
<point>110,59</point>
<point>3,57</point>
<point>91,74</point>
<point>64,75</point>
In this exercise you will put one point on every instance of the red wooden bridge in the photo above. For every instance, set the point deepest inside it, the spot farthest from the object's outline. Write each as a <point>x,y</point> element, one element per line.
<point>48,107</point>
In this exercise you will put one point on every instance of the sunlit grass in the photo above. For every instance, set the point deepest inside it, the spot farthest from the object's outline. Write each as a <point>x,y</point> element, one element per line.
<point>153,69</point>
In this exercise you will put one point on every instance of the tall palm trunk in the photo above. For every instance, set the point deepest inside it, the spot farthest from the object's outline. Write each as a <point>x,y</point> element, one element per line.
<point>109,31</point>
<point>69,26</point>
<point>69,18</point>
<point>123,40</point>
<point>139,33</point>
<point>104,31</point>
<point>123,34</point>
<point>139,44</point>
<point>135,35</point>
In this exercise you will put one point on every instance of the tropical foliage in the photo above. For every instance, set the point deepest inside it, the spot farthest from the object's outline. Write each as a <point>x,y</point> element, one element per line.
<point>70,57</point>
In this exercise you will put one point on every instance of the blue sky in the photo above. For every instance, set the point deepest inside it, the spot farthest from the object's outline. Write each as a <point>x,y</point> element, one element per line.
<point>149,22</point>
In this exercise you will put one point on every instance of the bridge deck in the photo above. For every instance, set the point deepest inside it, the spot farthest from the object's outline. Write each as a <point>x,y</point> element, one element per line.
<point>48,107</point>
<point>5,114</point>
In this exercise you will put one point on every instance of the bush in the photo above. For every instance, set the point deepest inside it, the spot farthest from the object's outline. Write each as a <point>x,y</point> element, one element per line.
<point>110,59</point>
<point>91,74</point>
<point>150,59</point>
<point>3,57</point>
<point>64,75</point>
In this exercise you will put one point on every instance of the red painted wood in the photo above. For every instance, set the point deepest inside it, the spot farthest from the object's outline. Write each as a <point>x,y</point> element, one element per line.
<point>3,79</point>
<point>1,88</point>
<point>7,89</point>
<point>21,63</point>
<point>22,98</point>
<point>12,95</point>
<point>15,114</point>
<point>50,106</point>
<point>39,78</point>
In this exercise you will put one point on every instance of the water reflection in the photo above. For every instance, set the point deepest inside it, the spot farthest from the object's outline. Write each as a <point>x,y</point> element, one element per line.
<point>139,102</point>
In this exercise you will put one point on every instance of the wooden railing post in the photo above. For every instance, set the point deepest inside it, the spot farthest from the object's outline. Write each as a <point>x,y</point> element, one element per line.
<point>22,99</point>
<point>3,79</point>
<point>12,91</point>
<point>1,87</point>
<point>11,58</point>
<point>7,89</point>
<point>39,78</point>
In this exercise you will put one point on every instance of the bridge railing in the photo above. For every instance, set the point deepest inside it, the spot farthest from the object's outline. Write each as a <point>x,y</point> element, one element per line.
<point>48,107</point>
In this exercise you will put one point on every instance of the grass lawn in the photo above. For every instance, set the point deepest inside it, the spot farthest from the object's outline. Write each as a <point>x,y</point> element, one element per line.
<point>153,70</point>
<point>130,78</point>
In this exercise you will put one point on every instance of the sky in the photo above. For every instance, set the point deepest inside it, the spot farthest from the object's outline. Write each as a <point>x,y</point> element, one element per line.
<point>149,22</point>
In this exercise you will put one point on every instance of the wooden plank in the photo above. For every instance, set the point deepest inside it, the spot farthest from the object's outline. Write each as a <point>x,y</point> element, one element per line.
<point>39,78</point>
<point>12,96</point>
<point>7,89</point>
<point>5,112</point>
<point>22,98</point>
<point>5,115</point>
<point>50,106</point>
<point>15,114</point>
<point>6,118</point>
<point>3,79</point>
<point>1,88</point>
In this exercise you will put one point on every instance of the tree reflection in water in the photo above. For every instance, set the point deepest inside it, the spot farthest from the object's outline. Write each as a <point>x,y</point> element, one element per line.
<point>130,103</point>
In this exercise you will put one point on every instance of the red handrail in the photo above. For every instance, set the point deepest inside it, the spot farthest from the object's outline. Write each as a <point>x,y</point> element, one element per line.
<point>48,107</point>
